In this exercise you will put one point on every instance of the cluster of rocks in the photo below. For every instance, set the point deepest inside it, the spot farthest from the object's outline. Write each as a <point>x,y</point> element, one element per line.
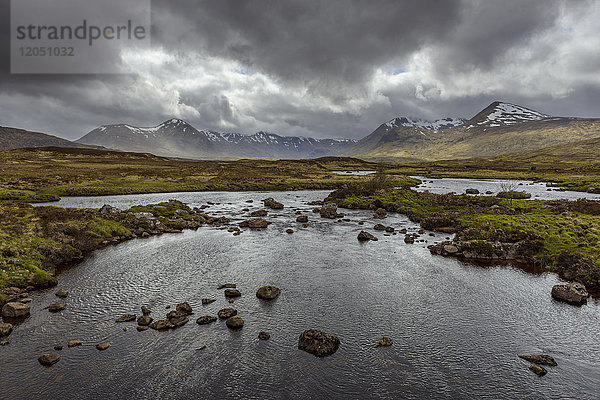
<point>272,204</point>
<point>537,360</point>
<point>476,250</point>
<point>254,223</point>
<point>329,210</point>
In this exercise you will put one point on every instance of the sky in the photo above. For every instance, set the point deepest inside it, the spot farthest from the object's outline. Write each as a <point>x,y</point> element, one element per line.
<point>327,68</point>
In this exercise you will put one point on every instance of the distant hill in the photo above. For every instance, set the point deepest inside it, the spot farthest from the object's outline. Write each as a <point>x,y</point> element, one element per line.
<point>177,138</point>
<point>13,138</point>
<point>500,128</point>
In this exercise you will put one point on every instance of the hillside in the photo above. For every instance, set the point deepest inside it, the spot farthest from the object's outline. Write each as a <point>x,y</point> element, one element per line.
<point>177,138</point>
<point>500,128</point>
<point>13,138</point>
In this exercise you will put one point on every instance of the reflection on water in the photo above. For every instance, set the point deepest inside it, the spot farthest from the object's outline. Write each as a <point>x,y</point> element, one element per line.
<point>456,327</point>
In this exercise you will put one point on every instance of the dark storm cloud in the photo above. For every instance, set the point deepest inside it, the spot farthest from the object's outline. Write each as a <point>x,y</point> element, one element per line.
<point>326,68</point>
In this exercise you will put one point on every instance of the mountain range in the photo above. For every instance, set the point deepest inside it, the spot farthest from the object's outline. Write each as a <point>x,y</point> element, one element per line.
<point>177,138</point>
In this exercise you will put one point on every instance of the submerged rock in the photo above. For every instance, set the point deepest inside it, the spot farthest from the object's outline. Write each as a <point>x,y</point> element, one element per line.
<point>542,359</point>
<point>572,293</point>
<point>268,292</point>
<point>227,286</point>
<point>126,318</point>
<point>536,369</point>
<point>384,342</point>
<point>15,310</point>
<point>205,320</point>
<point>62,293</point>
<point>262,335</point>
<point>318,343</point>
<point>48,359</point>
<point>227,313</point>
<point>365,236</point>
<point>235,322</point>
<point>56,307</point>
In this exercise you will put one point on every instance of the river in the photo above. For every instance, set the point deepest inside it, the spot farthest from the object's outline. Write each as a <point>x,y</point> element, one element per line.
<point>457,328</point>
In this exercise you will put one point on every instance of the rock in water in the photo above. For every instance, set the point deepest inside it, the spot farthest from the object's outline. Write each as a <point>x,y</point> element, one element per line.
<point>268,292</point>
<point>365,236</point>
<point>56,307</point>
<point>318,343</point>
<point>142,328</point>
<point>227,286</point>
<point>208,301</point>
<point>542,359</point>
<point>271,203</point>
<point>227,313</point>
<point>5,329</point>
<point>49,359</point>
<point>302,218</point>
<point>161,325</point>
<point>257,223</point>
<point>74,343</point>
<point>103,346</point>
<point>408,239</point>
<point>472,191</point>
<point>380,213</point>
<point>144,320</point>
<point>205,320</point>
<point>289,231</point>
<point>62,293</point>
<point>262,335</point>
<point>379,227</point>
<point>145,310</point>
<point>126,318</point>
<point>572,293</point>
<point>177,318</point>
<point>232,293</point>
<point>384,342</point>
<point>235,322</point>
<point>184,308</point>
<point>15,310</point>
<point>329,210</point>
<point>259,213</point>
<point>536,369</point>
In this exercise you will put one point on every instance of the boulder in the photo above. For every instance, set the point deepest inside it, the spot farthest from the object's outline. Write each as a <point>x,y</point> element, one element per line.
<point>472,191</point>
<point>379,227</point>
<point>408,239</point>
<point>15,310</point>
<point>268,292</point>
<point>389,229</point>
<point>126,318</point>
<point>572,293</point>
<point>384,342</point>
<point>232,293</point>
<point>103,346</point>
<point>227,286</point>
<point>208,301</point>
<point>235,322</point>
<point>257,223</point>
<point>48,359</point>
<point>536,369</point>
<point>144,320</point>
<point>380,213</point>
<point>57,307</point>
<point>262,335</point>
<point>177,319</point>
<point>62,293</point>
<point>329,210</point>
<point>365,236</point>
<point>161,325</point>
<point>542,359</point>
<point>205,320</point>
<point>74,343</point>
<point>302,218</point>
<point>184,308</point>
<point>259,213</point>
<point>5,329</point>
<point>271,203</point>
<point>227,313</point>
<point>450,249</point>
<point>318,343</point>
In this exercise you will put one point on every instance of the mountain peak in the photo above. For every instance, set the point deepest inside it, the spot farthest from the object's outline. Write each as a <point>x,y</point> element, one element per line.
<point>501,114</point>
<point>440,124</point>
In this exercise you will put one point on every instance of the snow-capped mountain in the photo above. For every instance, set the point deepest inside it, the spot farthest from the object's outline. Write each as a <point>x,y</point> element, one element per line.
<point>439,124</point>
<point>177,138</point>
<point>500,114</point>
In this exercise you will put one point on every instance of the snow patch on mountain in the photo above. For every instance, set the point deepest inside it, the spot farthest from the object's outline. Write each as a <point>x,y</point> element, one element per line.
<point>509,114</point>
<point>436,125</point>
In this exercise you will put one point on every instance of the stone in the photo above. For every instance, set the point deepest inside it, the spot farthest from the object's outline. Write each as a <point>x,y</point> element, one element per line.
<point>25,300</point>
<point>259,213</point>
<point>262,335</point>
<point>57,307</point>
<point>227,286</point>
<point>289,231</point>
<point>318,343</point>
<point>103,346</point>
<point>235,322</point>
<point>48,359</point>
<point>208,301</point>
<point>329,210</point>
<point>302,218</point>
<point>58,348</point>
<point>257,223</point>
<point>384,342</point>
<point>177,319</point>
<point>408,239</point>
<point>74,343</point>
<point>144,320</point>
<point>472,191</point>
<point>268,292</point>
<point>142,328</point>
<point>380,213</point>
<point>126,318</point>
<point>573,293</point>
<point>146,310</point>
<point>536,369</point>
<point>5,329</point>
<point>271,203</point>
<point>379,227</point>
<point>161,325</point>
<point>15,310</point>
<point>184,308</point>
<point>205,320</point>
<point>450,249</point>
<point>62,293</point>
<point>389,229</point>
<point>542,359</point>
<point>365,236</point>
<point>227,313</point>
<point>232,293</point>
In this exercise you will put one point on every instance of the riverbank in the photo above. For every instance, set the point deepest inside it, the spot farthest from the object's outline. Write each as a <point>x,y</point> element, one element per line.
<point>559,236</point>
